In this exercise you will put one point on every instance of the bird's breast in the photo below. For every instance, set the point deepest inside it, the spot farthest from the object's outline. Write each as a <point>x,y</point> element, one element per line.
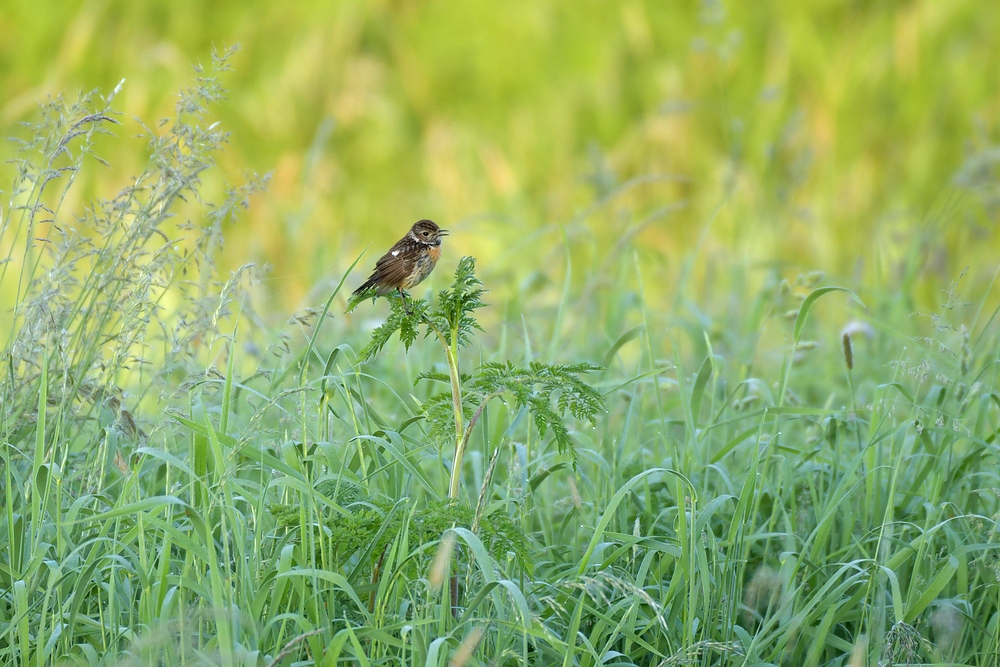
<point>422,267</point>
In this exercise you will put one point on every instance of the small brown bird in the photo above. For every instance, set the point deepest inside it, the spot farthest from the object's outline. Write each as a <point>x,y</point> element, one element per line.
<point>408,262</point>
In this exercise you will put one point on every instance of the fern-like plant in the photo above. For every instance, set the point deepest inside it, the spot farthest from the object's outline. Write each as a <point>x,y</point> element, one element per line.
<point>548,391</point>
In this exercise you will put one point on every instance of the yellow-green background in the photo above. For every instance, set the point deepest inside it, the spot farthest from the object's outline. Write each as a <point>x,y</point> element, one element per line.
<point>815,135</point>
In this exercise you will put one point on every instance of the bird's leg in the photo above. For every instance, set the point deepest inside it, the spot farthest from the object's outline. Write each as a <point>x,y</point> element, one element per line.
<point>406,306</point>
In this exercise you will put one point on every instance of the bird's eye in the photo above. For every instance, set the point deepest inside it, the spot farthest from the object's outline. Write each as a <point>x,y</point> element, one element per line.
<point>425,233</point>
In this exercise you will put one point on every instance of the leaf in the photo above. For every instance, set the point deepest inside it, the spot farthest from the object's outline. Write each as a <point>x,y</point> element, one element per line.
<point>537,386</point>
<point>698,392</point>
<point>326,309</point>
<point>609,511</point>
<point>935,587</point>
<point>399,319</point>
<point>800,319</point>
<point>900,388</point>
<point>452,315</point>
<point>456,304</point>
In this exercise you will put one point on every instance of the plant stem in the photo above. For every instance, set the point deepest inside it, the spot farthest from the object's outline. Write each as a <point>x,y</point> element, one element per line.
<point>451,354</point>
<point>456,399</point>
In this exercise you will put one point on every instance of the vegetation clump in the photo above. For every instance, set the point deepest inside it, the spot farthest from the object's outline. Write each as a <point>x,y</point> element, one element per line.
<point>536,388</point>
<point>751,487</point>
<point>371,525</point>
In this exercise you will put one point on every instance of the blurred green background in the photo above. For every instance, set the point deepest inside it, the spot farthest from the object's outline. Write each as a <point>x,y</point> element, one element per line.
<point>849,137</point>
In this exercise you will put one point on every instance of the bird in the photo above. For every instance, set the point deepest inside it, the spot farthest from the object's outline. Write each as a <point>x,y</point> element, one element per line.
<point>408,262</point>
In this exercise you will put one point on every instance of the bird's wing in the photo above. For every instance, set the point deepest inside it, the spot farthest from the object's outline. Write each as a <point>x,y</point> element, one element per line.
<point>403,248</point>
<point>395,266</point>
<point>396,271</point>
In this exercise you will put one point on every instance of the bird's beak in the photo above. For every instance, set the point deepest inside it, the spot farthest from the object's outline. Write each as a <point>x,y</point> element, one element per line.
<point>442,232</point>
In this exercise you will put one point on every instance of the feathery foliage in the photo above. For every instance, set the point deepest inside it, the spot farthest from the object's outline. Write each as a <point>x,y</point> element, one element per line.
<point>406,323</point>
<point>456,305</point>
<point>537,387</point>
<point>451,317</point>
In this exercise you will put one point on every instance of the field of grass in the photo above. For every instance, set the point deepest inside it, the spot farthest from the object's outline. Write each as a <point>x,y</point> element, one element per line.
<point>709,383</point>
<point>822,135</point>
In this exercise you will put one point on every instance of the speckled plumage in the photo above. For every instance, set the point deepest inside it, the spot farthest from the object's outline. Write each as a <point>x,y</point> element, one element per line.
<point>409,261</point>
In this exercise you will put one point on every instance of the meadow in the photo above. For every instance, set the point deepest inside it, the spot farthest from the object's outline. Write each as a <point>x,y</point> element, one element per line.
<point>707,375</point>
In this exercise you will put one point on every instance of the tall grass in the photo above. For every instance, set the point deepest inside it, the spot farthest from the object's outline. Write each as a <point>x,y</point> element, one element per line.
<point>751,496</point>
<point>827,118</point>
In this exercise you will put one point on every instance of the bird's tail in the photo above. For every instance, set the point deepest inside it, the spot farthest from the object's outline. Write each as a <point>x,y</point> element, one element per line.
<point>365,286</point>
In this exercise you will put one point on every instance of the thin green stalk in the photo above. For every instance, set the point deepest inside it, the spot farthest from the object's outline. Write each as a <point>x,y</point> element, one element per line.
<point>451,354</point>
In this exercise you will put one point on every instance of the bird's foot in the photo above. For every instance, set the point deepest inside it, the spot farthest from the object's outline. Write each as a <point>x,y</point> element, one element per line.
<point>406,306</point>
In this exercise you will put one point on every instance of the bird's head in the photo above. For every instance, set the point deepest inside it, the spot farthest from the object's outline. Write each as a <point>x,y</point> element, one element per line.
<point>428,233</point>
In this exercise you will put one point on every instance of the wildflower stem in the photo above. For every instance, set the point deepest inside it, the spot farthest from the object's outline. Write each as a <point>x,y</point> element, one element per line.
<point>451,355</point>
<point>456,400</point>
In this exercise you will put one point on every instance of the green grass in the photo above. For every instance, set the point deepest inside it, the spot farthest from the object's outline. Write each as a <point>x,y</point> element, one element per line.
<point>176,491</point>
<point>819,134</point>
